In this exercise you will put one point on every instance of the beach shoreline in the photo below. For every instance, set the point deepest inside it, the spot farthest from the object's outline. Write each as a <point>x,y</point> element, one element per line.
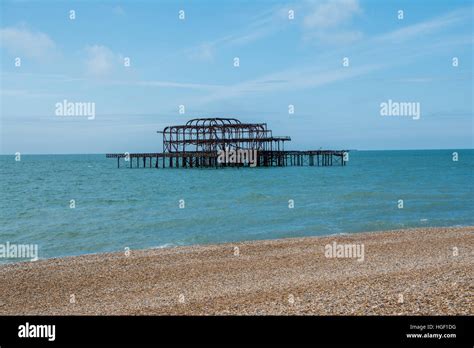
<point>420,271</point>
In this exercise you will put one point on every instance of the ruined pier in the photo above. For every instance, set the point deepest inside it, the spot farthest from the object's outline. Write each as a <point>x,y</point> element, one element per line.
<point>200,142</point>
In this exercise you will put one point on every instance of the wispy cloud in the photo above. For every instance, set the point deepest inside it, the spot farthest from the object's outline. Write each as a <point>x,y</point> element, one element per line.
<point>172,84</point>
<point>287,80</point>
<point>21,41</point>
<point>108,80</point>
<point>330,13</point>
<point>261,26</point>
<point>101,60</point>
<point>427,27</point>
<point>309,77</point>
<point>328,21</point>
<point>323,21</point>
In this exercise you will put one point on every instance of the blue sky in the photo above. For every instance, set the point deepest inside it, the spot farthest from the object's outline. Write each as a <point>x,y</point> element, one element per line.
<point>190,62</point>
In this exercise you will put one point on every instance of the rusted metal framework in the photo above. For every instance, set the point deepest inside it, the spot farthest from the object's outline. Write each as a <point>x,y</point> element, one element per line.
<point>214,134</point>
<point>199,142</point>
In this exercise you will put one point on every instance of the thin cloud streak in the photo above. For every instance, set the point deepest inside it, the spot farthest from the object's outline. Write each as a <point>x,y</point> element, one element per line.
<point>308,77</point>
<point>426,27</point>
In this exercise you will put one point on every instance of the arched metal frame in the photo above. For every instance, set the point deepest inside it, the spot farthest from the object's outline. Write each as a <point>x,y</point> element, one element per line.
<point>197,143</point>
<point>209,135</point>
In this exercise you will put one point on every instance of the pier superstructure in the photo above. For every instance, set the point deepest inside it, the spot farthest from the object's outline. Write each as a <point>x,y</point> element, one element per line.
<point>199,142</point>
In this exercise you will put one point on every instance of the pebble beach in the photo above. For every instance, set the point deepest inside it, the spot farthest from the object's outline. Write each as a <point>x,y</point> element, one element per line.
<point>420,271</point>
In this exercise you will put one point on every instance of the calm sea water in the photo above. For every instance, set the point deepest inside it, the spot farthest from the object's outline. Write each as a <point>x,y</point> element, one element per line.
<point>139,208</point>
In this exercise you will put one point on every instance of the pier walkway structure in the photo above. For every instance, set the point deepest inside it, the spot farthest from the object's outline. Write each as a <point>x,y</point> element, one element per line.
<point>197,144</point>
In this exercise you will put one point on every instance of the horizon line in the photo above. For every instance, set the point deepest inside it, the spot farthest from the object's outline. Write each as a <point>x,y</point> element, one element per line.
<point>104,153</point>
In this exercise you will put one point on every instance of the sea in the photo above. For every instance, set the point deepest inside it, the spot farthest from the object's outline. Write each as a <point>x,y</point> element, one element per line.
<point>82,204</point>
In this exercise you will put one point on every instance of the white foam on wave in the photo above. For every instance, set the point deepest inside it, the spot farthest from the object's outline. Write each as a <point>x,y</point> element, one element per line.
<point>162,246</point>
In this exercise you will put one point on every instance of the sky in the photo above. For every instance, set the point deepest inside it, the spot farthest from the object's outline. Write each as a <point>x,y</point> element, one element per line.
<point>334,61</point>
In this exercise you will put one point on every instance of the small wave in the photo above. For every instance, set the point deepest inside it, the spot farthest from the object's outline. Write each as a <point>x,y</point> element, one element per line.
<point>338,234</point>
<point>163,246</point>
